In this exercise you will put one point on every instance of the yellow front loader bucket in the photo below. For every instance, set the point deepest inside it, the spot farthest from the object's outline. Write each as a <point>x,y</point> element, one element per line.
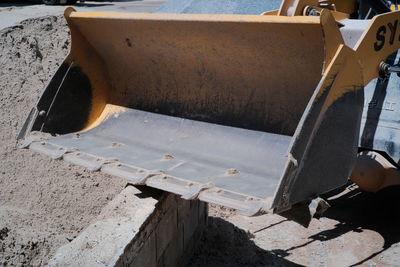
<point>250,112</point>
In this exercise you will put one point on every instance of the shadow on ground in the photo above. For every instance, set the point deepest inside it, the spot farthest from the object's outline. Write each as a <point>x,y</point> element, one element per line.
<point>224,244</point>
<point>358,211</point>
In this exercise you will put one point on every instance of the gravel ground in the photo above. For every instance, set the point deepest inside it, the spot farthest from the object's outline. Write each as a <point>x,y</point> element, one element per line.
<point>45,203</point>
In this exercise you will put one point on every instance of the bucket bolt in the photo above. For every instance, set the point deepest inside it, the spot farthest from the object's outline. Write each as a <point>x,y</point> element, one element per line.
<point>385,69</point>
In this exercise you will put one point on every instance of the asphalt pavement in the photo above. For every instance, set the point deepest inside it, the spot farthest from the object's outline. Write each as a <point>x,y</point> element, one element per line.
<point>12,12</point>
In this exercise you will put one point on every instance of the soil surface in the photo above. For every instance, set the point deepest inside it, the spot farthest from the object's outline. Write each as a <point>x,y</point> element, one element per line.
<point>14,11</point>
<point>44,203</point>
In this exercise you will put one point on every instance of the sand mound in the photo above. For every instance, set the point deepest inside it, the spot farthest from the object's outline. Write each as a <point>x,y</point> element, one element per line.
<point>44,203</point>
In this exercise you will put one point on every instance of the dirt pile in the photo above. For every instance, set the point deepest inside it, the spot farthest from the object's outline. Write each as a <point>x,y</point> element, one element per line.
<point>44,203</point>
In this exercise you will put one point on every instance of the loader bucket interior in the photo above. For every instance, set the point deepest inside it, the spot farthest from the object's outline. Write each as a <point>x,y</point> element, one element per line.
<point>257,74</point>
<point>199,105</point>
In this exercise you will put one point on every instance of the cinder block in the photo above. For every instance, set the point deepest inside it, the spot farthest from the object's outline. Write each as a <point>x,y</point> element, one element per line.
<point>203,212</point>
<point>190,246</point>
<point>173,253</point>
<point>191,223</point>
<point>183,209</point>
<point>144,231</point>
<point>166,230</point>
<point>147,254</point>
<point>169,202</point>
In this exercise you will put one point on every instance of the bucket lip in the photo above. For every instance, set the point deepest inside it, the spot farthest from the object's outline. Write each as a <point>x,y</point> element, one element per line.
<point>71,13</point>
<point>190,158</point>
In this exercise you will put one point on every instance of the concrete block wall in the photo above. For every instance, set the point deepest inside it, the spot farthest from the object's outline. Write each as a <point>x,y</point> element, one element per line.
<point>172,235</point>
<point>140,227</point>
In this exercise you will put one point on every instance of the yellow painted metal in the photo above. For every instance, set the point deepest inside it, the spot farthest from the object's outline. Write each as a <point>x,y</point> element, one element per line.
<point>376,44</point>
<point>271,12</point>
<point>207,67</point>
<point>348,76</point>
<point>380,40</point>
<point>373,172</point>
<point>395,7</point>
<point>213,67</point>
<point>332,36</point>
<point>340,15</point>
<point>344,6</point>
<point>190,17</point>
<point>92,65</point>
<point>162,59</point>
